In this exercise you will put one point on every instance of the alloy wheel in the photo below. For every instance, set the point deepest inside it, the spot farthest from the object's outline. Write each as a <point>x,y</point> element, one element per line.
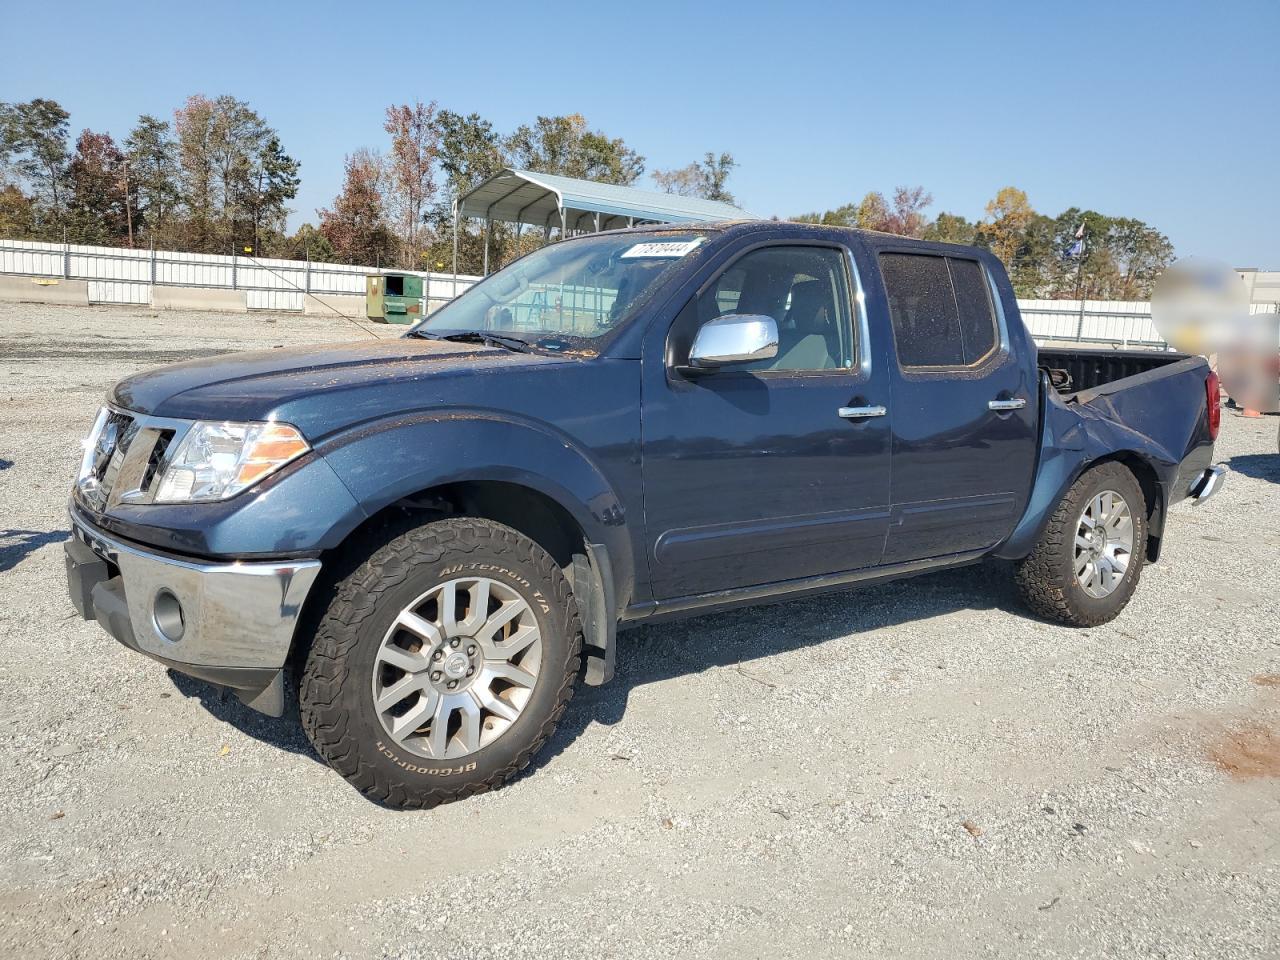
<point>457,668</point>
<point>1104,544</point>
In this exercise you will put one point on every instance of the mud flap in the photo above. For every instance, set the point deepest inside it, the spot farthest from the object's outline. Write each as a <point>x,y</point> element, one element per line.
<point>593,589</point>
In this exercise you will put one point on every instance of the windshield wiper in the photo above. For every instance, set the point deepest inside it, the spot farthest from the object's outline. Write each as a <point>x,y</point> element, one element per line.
<point>514,344</point>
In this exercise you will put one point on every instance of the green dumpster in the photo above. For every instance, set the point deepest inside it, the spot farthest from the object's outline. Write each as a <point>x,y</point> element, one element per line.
<point>393,297</point>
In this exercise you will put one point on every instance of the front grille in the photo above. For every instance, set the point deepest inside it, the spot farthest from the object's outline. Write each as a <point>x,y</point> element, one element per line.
<point>158,450</point>
<point>126,453</point>
<point>107,449</point>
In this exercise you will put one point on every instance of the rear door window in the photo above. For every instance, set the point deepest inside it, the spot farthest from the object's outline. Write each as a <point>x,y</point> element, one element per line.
<point>940,308</point>
<point>922,306</point>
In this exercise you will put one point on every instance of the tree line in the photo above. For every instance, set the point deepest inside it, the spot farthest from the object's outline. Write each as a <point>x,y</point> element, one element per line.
<point>217,179</point>
<point>396,203</point>
<point>214,179</point>
<point>1079,253</point>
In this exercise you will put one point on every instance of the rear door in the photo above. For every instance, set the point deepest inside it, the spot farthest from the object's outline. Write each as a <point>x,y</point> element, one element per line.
<point>964,411</point>
<point>768,473</point>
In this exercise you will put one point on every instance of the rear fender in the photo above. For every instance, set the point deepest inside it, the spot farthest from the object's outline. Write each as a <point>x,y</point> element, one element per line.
<point>1074,437</point>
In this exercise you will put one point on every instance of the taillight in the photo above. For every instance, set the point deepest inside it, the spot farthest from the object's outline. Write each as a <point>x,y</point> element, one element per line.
<point>1212,388</point>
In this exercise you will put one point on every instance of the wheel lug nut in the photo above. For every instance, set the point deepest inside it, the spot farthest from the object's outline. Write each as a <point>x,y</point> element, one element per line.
<point>437,655</point>
<point>470,671</point>
<point>452,684</point>
<point>435,674</point>
<point>454,642</point>
<point>471,650</point>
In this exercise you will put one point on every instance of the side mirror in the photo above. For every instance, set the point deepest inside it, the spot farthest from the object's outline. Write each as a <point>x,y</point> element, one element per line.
<point>733,338</point>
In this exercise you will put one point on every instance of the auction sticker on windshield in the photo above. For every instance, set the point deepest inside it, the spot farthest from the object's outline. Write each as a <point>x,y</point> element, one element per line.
<point>672,249</point>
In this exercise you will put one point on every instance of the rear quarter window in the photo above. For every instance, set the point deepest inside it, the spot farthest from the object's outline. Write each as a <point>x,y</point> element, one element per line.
<point>973,303</point>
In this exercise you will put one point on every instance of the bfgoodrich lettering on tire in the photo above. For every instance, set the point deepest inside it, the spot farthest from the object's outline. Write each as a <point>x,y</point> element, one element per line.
<point>442,664</point>
<point>1087,562</point>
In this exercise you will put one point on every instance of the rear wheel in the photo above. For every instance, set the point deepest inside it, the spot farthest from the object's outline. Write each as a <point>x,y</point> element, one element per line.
<point>1087,562</point>
<point>442,663</point>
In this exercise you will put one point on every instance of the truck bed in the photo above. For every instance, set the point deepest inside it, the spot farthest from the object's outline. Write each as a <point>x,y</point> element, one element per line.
<point>1073,370</point>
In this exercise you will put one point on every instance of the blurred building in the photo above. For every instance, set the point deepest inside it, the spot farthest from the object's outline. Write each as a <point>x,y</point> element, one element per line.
<point>1263,287</point>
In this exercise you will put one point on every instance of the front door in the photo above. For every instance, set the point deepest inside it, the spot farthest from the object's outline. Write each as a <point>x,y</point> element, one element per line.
<point>964,410</point>
<point>779,470</point>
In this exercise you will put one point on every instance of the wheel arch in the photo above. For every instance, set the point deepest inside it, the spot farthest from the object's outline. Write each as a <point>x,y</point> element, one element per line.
<point>589,566</point>
<point>1043,503</point>
<point>1152,492</point>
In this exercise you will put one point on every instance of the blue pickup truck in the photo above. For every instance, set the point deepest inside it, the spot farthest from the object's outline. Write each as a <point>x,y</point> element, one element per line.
<point>440,535</point>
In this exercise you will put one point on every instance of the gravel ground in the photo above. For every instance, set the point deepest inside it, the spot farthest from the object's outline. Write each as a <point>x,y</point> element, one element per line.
<point>913,770</point>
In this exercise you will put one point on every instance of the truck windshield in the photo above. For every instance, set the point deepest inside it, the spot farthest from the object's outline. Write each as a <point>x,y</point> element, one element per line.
<point>579,288</point>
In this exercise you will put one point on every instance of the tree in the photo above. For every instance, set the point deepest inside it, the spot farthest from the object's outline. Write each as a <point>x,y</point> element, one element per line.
<point>950,228</point>
<point>272,182</point>
<point>1141,252</point>
<point>33,145</point>
<point>683,182</point>
<point>873,212</point>
<point>193,125</point>
<point>99,205</point>
<point>153,174</point>
<point>565,146</point>
<point>356,227</point>
<point>469,151</point>
<point>236,177</point>
<point>907,218</point>
<point>845,215</point>
<point>415,143</point>
<point>1008,215</point>
<point>308,243</point>
<point>705,178</point>
<point>17,213</point>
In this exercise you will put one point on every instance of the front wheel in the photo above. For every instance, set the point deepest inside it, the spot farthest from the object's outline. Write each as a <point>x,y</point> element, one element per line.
<point>1086,564</point>
<point>442,664</point>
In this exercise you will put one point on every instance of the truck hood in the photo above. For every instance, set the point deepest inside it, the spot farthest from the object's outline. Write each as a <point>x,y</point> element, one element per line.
<point>324,384</point>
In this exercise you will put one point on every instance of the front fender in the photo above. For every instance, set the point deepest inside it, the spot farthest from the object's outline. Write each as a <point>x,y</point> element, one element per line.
<point>386,461</point>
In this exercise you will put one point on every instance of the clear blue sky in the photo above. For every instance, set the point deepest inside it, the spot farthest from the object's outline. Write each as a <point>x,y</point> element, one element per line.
<point>1169,112</point>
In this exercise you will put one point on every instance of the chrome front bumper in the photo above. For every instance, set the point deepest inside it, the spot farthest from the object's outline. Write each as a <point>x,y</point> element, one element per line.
<point>1208,483</point>
<point>231,623</point>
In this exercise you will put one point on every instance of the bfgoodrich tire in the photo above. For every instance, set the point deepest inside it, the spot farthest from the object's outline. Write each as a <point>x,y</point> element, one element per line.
<point>442,664</point>
<point>1087,563</point>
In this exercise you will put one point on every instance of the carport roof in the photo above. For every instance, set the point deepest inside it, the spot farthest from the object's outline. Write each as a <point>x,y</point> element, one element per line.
<point>521,196</point>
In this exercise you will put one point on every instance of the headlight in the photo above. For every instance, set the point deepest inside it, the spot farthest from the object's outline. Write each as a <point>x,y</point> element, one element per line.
<point>218,460</point>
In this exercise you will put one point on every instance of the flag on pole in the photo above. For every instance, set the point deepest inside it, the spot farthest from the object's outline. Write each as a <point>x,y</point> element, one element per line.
<point>1077,247</point>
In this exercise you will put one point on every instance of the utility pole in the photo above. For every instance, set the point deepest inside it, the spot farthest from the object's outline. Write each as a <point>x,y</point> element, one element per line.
<point>128,202</point>
<point>1082,238</point>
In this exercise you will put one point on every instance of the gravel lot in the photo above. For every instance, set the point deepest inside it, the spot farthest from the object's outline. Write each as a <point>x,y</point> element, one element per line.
<point>914,770</point>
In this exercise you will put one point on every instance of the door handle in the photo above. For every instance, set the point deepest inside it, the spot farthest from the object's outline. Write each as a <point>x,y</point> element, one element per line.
<point>1017,403</point>
<point>854,413</point>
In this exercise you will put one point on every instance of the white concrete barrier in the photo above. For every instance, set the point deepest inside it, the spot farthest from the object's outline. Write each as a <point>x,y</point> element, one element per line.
<point>198,298</point>
<point>45,290</point>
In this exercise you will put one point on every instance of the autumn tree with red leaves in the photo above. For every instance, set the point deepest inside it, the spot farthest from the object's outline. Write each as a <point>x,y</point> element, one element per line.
<point>99,204</point>
<point>356,225</point>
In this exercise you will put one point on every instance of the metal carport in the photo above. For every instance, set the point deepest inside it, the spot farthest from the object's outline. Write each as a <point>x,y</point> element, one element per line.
<point>546,200</point>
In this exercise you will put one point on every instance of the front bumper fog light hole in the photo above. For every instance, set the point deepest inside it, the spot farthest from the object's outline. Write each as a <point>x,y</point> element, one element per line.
<point>168,616</point>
